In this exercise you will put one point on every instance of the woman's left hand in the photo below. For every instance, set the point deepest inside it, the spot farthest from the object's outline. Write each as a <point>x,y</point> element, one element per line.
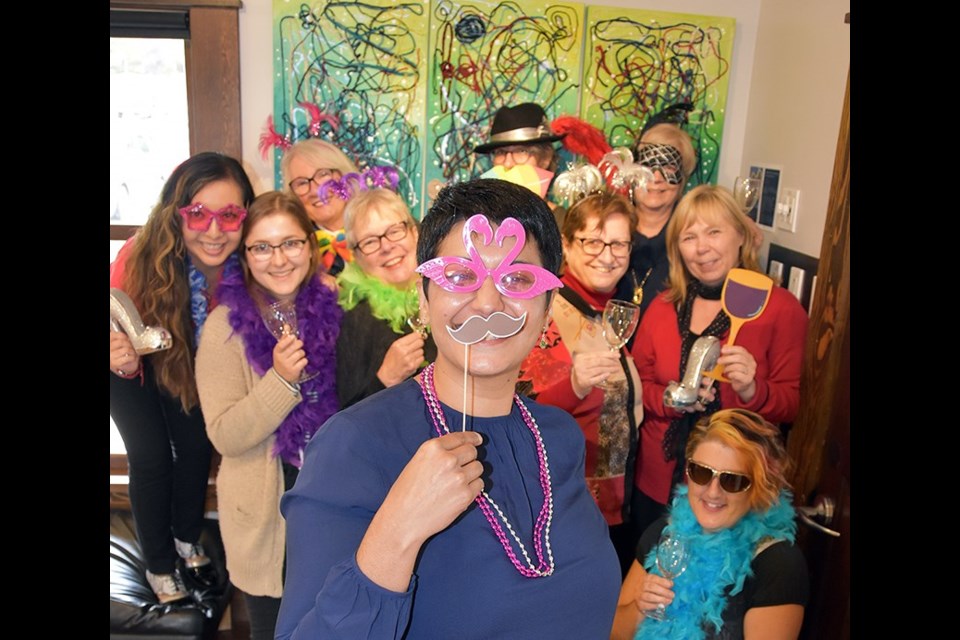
<point>708,394</point>
<point>739,367</point>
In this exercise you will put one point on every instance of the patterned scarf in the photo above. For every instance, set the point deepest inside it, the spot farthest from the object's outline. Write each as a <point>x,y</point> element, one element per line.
<point>388,303</point>
<point>717,565</point>
<point>675,439</point>
<point>200,301</point>
<point>319,319</point>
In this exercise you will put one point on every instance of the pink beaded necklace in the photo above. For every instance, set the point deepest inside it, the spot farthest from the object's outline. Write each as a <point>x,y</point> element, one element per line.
<point>541,531</point>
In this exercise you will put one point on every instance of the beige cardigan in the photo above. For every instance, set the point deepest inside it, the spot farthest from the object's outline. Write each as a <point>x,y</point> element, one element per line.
<point>242,411</point>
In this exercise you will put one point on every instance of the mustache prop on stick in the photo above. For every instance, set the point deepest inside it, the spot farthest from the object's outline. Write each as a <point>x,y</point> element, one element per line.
<point>477,328</point>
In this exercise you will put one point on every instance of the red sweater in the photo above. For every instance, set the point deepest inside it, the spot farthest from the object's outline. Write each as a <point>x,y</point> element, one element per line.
<point>776,341</point>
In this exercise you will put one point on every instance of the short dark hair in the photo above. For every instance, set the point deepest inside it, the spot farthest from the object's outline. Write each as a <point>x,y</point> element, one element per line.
<point>498,200</point>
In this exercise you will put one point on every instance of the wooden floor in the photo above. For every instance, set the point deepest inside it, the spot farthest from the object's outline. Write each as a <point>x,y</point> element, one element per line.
<point>235,617</point>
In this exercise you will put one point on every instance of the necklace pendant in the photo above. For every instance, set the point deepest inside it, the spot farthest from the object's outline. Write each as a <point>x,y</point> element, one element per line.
<point>637,295</point>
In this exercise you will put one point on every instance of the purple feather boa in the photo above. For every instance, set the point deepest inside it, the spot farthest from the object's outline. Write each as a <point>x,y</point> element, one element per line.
<point>318,317</point>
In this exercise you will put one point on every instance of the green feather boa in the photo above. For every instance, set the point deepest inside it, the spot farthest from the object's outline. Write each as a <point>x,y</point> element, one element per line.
<point>717,565</point>
<point>387,303</point>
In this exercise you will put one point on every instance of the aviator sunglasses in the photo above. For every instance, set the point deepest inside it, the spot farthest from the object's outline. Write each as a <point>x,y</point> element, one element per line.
<point>729,481</point>
<point>199,217</point>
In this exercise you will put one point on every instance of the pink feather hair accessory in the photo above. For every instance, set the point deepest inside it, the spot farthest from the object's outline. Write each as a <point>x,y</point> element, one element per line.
<point>272,138</point>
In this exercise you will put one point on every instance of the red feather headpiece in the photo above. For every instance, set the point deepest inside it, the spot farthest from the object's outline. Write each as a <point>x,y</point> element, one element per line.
<point>581,138</point>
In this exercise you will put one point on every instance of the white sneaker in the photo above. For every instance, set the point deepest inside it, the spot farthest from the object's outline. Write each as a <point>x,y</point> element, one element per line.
<point>192,553</point>
<point>167,586</point>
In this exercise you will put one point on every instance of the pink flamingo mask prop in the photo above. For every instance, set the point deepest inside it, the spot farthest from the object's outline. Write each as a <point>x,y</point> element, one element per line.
<point>514,280</point>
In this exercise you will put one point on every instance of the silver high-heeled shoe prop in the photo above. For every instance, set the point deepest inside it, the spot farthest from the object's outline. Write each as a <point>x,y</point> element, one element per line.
<point>125,317</point>
<point>703,358</point>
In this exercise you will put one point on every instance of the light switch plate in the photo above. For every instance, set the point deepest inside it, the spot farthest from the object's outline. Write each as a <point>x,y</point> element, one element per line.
<point>775,271</point>
<point>797,276</point>
<point>787,209</point>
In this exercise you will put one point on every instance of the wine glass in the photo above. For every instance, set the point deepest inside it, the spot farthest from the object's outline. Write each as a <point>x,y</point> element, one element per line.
<point>746,191</point>
<point>672,561</point>
<point>281,319</point>
<point>418,325</point>
<point>620,319</point>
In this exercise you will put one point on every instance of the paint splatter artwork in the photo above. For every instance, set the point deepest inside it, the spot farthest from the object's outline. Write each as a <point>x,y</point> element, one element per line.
<point>415,85</point>
<point>640,61</point>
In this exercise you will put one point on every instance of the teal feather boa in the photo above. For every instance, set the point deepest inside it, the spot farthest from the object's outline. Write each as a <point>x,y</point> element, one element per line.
<point>387,303</point>
<point>717,566</point>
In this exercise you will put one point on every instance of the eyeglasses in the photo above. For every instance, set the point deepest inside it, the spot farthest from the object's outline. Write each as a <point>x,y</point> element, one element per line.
<point>595,246</point>
<point>263,251</point>
<point>371,244</point>
<point>520,154</point>
<point>729,481</point>
<point>301,186</point>
<point>199,217</point>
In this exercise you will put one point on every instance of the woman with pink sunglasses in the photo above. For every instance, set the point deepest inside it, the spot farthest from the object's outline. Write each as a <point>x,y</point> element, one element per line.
<point>170,270</point>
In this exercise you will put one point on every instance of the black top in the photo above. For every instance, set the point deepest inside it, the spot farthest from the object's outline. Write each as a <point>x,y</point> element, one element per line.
<point>779,577</point>
<point>363,342</point>
<point>647,254</point>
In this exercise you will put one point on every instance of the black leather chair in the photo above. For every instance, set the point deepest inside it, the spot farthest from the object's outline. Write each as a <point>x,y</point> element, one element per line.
<point>135,613</point>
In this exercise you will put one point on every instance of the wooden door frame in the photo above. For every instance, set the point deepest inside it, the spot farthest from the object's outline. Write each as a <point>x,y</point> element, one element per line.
<point>829,323</point>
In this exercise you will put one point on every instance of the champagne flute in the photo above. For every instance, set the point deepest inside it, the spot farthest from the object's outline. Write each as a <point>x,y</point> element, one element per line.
<point>746,191</point>
<point>420,327</point>
<point>281,320</point>
<point>619,321</point>
<point>671,561</point>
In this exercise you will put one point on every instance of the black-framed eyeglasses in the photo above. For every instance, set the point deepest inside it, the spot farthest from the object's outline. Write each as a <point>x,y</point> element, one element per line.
<point>263,251</point>
<point>730,482</point>
<point>371,244</point>
<point>301,186</point>
<point>595,246</point>
<point>520,155</point>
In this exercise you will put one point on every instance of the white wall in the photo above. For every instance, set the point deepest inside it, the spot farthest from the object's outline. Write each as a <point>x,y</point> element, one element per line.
<point>799,79</point>
<point>787,80</point>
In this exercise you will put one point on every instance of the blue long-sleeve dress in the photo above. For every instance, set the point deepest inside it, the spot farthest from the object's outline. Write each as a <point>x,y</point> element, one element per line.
<point>464,585</point>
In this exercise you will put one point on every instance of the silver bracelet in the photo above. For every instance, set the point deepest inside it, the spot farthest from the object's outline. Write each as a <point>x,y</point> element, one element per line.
<point>293,386</point>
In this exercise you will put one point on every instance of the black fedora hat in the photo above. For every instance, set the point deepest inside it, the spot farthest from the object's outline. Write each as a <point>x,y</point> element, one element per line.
<point>523,124</point>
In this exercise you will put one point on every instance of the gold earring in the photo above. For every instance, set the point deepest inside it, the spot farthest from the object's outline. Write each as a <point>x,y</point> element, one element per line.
<point>543,343</point>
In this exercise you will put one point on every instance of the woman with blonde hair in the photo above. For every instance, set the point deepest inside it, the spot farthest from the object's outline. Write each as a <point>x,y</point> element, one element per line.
<point>668,152</point>
<point>707,236</point>
<point>378,292</point>
<point>743,575</point>
<point>306,167</point>
<point>170,270</point>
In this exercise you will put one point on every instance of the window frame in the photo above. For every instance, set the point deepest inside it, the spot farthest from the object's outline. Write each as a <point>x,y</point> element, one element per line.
<point>212,59</point>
